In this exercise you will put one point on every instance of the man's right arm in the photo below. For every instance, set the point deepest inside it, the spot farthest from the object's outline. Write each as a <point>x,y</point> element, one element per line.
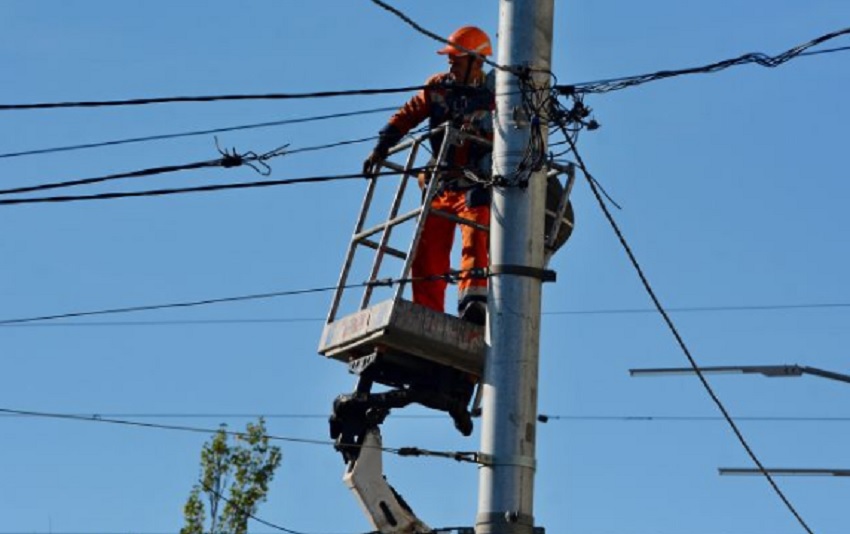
<point>405,119</point>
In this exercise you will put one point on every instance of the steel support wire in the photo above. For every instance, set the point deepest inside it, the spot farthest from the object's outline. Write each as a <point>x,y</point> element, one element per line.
<point>680,341</point>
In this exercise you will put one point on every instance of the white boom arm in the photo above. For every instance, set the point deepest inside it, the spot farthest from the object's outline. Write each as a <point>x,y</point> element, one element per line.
<point>384,507</point>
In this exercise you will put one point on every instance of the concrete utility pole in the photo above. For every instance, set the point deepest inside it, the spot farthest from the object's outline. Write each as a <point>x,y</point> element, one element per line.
<point>509,404</point>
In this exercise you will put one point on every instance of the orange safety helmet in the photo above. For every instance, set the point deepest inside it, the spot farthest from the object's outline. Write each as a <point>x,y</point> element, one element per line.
<point>471,38</point>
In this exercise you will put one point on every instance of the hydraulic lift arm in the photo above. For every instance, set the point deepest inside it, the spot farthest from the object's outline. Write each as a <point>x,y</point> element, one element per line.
<point>355,429</point>
<point>386,509</point>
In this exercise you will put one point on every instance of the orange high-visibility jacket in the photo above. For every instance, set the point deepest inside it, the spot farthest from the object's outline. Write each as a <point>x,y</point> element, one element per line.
<point>467,106</point>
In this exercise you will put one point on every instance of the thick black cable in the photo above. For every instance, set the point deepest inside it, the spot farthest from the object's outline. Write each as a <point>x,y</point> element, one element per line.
<point>587,87</point>
<point>228,160</point>
<point>416,26</point>
<point>679,340</point>
<point>195,133</point>
<point>616,84</point>
<point>194,189</point>
<point>211,98</point>
<point>133,174</point>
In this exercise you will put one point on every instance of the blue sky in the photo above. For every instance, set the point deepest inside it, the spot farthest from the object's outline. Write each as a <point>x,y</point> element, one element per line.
<point>734,193</point>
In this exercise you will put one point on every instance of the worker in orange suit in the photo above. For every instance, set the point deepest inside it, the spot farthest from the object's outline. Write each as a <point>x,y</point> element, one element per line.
<point>463,96</point>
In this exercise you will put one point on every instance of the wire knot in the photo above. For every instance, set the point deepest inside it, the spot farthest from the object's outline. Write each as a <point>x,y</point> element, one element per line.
<point>251,159</point>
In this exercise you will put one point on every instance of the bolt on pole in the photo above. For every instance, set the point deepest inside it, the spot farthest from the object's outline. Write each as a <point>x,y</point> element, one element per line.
<point>509,402</point>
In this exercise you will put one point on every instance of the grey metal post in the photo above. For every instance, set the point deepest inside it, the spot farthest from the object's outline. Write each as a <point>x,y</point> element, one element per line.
<point>509,402</point>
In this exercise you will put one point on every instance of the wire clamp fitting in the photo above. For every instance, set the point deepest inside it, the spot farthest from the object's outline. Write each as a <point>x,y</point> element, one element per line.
<point>489,460</point>
<point>544,275</point>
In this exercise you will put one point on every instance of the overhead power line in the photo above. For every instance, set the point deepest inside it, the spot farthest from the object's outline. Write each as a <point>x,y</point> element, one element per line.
<point>227,160</point>
<point>460,456</point>
<point>679,340</point>
<point>39,321</point>
<point>159,426</point>
<point>210,98</point>
<point>193,189</point>
<point>194,133</point>
<point>419,28</point>
<point>758,58</point>
<point>601,86</point>
<point>172,305</point>
<point>703,309</point>
<point>543,418</point>
<point>383,282</point>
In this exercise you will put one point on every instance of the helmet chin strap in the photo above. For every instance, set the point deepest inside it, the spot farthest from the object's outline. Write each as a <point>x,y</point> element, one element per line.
<point>468,73</point>
<point>469,62</point>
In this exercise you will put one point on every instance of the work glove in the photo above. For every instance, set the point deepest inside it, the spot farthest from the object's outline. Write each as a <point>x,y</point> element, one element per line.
<point>372,164</point>
<point>388,136</point>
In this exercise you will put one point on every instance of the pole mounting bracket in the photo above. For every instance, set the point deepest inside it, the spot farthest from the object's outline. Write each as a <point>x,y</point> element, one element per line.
<point>544,275</point>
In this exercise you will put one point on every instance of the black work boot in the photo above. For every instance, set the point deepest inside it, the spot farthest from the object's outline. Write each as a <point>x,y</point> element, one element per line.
<point>475,312</point>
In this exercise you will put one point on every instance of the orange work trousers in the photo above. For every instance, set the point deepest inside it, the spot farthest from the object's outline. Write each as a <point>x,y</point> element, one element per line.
<point>434,251</point>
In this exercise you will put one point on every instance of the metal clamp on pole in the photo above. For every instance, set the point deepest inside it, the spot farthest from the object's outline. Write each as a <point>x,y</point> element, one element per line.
<point>544,275</point>
<point>490,460</point>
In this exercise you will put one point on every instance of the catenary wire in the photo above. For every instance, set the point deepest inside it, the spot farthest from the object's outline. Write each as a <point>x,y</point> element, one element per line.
<point>460,456</point>
<point>194,133</point>
<point>186,304</point>
<point>210,98</point>
<point>39,321</point>
<point>228,160</point>
<point>383,282</point>
<point>158,426</point>
<point>419,28</point>
<point>615,84</point>
<point>543,417</point>
<point>679,340</point>
<point>586,87</point>
<point>193,189</point>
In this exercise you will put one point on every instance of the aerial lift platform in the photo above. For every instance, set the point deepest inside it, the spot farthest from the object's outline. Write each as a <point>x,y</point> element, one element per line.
<point>421,355</point>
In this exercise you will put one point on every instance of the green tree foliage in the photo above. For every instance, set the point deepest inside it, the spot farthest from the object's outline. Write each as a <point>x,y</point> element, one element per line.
<point>235,479</point>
